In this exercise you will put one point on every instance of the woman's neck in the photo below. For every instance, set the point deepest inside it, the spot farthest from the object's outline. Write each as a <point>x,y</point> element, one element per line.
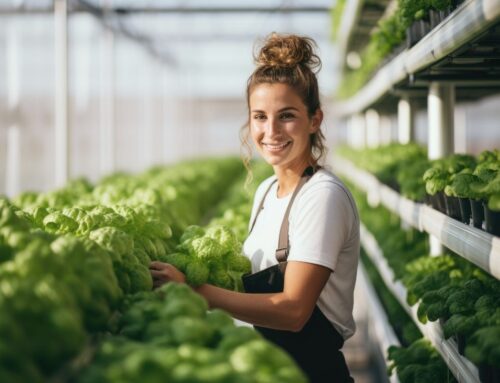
<point>289,177</point>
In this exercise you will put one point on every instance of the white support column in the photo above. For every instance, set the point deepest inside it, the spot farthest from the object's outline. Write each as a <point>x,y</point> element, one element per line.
<point>13,81</point>
<point>148,99</point>
<point>164,122</point>
<point>62,155</point>
<point>372,128</point>
<point>385,130</point>
<point>406,120</point>
<point>440,104</point>
<point>83,75</point>
<point>357,131</point>
<point>107,101</point>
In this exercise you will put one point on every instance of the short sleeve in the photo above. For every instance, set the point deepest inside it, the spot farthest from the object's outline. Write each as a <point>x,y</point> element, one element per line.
<point>321,223</point>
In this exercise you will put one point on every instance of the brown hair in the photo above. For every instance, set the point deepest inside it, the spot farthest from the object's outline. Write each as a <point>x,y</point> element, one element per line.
<point>287,59</point>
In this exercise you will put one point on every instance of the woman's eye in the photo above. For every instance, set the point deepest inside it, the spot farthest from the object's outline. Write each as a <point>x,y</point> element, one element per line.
<point>287,116</point>
<point>259,117</point>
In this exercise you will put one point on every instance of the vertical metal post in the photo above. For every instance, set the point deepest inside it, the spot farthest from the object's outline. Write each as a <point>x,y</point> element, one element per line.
<point>107,106</point>
<point>357,130</point>
<point>372,126</point>
<point>62,155</point>
<point>385,130</point>
<point>148,100</point>
<point>13,81</point>
<point>441,104</point>
<point>164,112</point>
<point>406,120</point>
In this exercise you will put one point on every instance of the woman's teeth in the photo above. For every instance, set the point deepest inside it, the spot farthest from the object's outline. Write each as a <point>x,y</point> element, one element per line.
<point>273,147</point>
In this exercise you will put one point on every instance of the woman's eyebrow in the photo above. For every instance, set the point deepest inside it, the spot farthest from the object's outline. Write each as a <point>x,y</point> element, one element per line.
<point>288,108</point>
<point>281,110</point>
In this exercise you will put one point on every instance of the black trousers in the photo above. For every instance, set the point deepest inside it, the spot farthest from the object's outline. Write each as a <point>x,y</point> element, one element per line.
<point>316,348</point>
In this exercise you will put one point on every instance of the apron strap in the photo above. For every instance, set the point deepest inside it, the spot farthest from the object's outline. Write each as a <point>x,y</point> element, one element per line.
<point>283,243</point>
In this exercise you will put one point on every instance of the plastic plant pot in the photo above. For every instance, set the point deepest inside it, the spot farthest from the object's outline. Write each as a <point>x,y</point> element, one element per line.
<point>441,203</point>
<point>485,373</point>
<point>452,207</point>
<point>477,212</point>
<point>461,343</point>
<point>496,373</point>
<point>435,18</point>
<point>434,201</point>
<point>424,27</point>
<point>465,210</point>
<point>428,200</point>
<point>491,220</point>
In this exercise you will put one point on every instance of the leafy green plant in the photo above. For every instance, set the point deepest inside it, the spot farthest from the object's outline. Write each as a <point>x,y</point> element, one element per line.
<point>212,255</point>
<point>484,346</point>
<point>419,362</point>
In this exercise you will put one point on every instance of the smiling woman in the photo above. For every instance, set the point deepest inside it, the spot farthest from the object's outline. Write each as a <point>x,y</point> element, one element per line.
<point>283,98</point>
<point>281,128</point>
<point>304,234</point>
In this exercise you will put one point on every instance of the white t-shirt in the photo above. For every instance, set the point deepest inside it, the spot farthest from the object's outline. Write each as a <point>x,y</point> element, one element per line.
<point>324,230</point>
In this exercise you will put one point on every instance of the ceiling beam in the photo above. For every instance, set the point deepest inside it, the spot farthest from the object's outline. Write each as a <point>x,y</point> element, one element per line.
<point>77,6</point>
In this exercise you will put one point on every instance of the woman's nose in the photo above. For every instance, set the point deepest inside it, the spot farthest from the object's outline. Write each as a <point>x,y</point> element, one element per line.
<point>273,126</point>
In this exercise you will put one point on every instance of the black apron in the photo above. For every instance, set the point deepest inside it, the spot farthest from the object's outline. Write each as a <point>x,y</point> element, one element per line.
<point>316,348</point>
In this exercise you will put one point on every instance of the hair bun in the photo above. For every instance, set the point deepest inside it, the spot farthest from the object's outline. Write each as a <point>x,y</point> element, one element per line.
<point>281,50</point>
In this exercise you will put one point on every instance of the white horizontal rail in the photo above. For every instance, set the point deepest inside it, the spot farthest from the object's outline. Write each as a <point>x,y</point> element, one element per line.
<point>475,245</point>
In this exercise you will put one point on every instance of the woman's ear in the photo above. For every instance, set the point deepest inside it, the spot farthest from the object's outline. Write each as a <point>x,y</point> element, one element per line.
<point>316,120</point>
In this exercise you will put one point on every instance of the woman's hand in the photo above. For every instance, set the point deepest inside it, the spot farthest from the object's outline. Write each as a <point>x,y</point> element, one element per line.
<point>165,272</point>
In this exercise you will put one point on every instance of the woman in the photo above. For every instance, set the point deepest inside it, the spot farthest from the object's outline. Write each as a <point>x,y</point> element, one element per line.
<point>304,211</point>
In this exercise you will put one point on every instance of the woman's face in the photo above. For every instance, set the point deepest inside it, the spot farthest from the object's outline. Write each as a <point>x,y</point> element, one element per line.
<point>280,126</point>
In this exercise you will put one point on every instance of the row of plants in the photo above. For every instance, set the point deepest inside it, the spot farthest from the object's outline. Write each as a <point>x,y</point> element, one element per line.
<point>415,360</point>
<point>213,253</point>
<point>411,20</point>
<point>68,257</point>
<point>448,289</point>
<point>464,187</point>
<point>170,333</point>
<point>399,166</point>
<point>467,188</point>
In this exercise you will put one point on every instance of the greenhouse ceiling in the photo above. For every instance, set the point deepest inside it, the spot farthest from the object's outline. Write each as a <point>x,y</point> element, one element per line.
<point>211,39</point>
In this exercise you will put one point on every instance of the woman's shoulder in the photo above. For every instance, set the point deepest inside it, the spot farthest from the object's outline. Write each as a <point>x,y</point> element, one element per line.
<point>325,185</point>
<point>327,180</point>
<point>264,185</point>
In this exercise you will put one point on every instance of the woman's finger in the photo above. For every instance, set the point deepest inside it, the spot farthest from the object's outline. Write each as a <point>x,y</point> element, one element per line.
<point>157,273</point>
<point>155,265</point>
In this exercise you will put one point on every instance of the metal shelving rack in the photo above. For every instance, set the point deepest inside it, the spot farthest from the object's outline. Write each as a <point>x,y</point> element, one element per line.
<point>477,246</point>
<point>459,60</point>
<point>461,368</point>
<point>450,44</point>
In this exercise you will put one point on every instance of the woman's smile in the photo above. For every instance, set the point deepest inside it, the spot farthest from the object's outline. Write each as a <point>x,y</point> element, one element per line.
<point>276,147</point>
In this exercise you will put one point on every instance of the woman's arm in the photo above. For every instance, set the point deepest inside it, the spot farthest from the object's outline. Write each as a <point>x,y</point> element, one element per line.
<point>289,310</point>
